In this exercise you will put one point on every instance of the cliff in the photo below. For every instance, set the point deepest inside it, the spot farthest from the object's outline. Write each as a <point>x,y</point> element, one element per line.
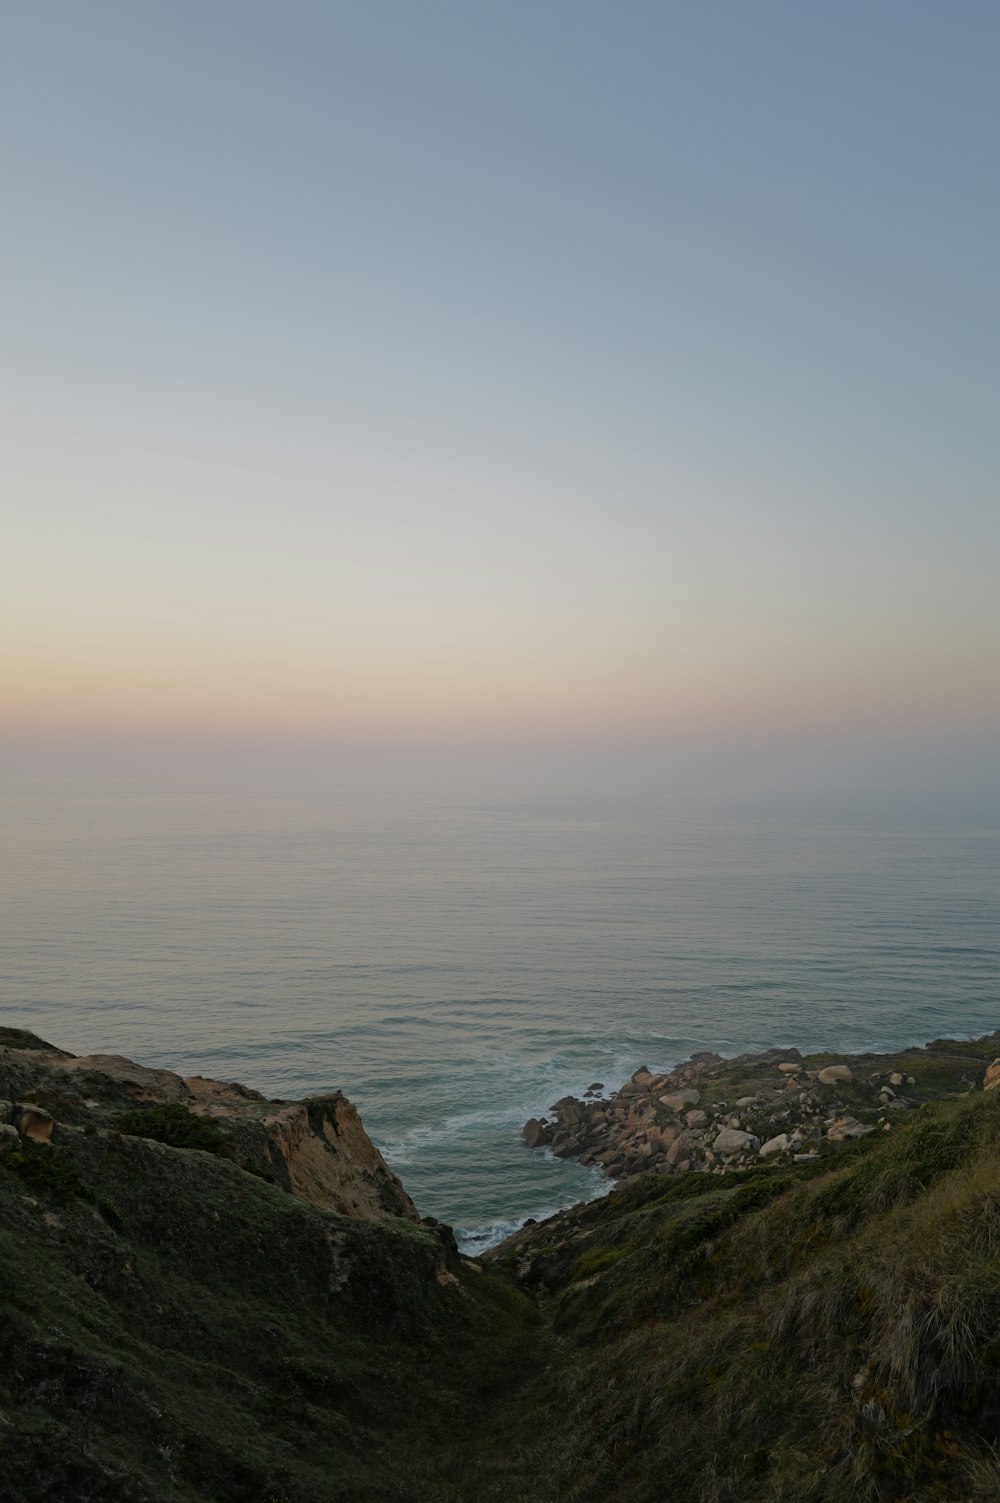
<point>183,1319</point>
<point>316,1149</point>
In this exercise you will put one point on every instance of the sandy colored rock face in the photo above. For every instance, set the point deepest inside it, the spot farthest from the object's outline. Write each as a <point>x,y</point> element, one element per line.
<point>835,1075</point>
<point>35,1123</point>
<point>135,1080</point>
<point>992,1077</point>
<point>316,1149</point>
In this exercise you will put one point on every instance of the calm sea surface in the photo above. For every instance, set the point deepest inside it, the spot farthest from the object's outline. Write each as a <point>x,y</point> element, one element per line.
<point>455,967</point>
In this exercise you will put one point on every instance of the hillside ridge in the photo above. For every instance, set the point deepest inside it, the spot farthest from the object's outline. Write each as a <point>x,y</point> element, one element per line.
<point>182,1324</point>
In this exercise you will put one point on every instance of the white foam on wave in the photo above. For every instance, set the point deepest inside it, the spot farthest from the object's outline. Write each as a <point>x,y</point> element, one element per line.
<point>407,1145</point>
<point>474,1240</point>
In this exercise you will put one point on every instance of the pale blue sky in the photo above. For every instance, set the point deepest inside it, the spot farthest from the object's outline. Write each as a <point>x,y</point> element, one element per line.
<point>404,365</point>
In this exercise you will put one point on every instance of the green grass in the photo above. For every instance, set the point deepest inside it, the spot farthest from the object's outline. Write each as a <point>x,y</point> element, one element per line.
<point>814,1338</point>
<point>176,1330</point>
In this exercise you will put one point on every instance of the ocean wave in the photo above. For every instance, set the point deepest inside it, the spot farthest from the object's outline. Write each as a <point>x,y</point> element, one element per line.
<point>474,1240</point>
<point>404,1147</point>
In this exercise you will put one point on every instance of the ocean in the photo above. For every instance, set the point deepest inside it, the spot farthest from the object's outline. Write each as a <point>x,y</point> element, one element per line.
<point>455,965</point>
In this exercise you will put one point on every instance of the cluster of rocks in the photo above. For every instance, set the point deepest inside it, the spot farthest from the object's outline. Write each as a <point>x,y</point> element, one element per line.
<point>713,1114</point>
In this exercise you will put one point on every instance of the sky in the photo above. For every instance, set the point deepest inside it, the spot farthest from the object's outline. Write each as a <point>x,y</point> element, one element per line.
<point>609,373</point>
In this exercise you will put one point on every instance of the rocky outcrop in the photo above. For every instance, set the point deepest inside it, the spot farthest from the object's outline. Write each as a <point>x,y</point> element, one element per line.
<point>317,1149</point>
<point>718,1115</point>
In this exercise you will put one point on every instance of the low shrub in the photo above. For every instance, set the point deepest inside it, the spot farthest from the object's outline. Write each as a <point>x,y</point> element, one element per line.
<point>172,1123</point>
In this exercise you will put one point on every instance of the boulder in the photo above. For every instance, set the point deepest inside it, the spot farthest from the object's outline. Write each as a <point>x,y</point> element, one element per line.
<point>535,1133</point>
<point>697,1118</point>
<point>788,1067</point>
<point>10,1138</point>
<point>991,1079</point>
<point>835,1075</point>
<point>6,1111</point>
<point>35,1123</point>
<point>774,1145</point>
<point>731,1140</point>
<point>747,1101</point>
<point>596,1085</point>
<point>676,1101</point>
<point>679,1149</point>
<point>846,1128</point>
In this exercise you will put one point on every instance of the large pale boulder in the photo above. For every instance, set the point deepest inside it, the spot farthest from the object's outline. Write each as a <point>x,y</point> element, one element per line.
<point>774,1145</point>
<point>732,1140</point>
<point>789,1067</point>
<point>835,1075</point>
<point>992,1077</point>
<point>846,1128</point>
<point>676,1101</point>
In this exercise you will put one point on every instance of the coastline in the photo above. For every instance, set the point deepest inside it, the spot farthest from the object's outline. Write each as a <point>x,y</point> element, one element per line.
<point>710,1114</point>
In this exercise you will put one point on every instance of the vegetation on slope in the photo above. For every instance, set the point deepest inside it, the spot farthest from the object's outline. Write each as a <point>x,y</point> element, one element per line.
<point>824,1333</point>
<point>174,1329</point>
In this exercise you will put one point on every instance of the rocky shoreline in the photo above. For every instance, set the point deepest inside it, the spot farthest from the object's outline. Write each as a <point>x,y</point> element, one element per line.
<point>715,1115</point>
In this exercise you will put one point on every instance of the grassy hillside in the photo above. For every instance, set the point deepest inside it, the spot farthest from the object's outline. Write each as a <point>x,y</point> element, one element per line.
<point>827,1332</point>
<point>174,1328</point>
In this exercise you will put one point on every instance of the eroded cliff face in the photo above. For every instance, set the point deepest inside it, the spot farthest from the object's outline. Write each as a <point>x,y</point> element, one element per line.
<point>317,1150</point>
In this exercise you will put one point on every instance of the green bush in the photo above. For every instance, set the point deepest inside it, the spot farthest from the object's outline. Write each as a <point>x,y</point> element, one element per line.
<point>174,1124</point>
<point>46,1170</point>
